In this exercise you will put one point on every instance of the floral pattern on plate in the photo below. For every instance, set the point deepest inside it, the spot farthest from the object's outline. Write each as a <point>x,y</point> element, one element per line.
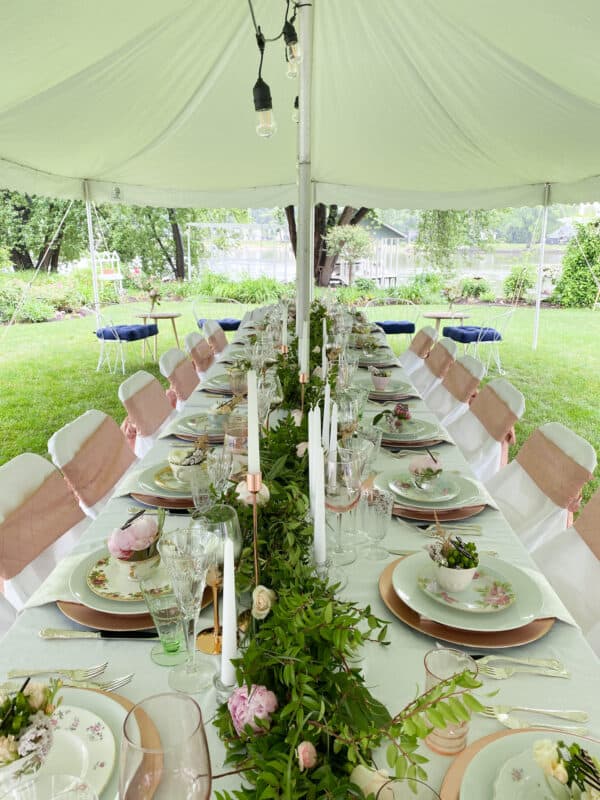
<point>107,579</point>
<point>487,593</point>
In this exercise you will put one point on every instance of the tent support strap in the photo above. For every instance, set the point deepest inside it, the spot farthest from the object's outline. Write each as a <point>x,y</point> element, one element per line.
<point>92,246</point>
<point>305,242</point>
<point>540,272</point>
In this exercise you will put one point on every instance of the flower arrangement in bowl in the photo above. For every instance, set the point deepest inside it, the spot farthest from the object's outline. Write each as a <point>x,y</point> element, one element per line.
<point>569,770</point>
<point>184,461</point>
<point>394,417</point>
<point>456,561</point>
<point>380,378</point>
<point>134,546</point>
<point>25,729</point>
<point>425,470</point>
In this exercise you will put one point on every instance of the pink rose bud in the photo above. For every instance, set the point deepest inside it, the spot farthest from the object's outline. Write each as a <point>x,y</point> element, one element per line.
<point>307,755</point>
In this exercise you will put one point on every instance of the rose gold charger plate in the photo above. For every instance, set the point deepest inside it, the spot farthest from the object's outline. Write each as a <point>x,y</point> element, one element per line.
<point>396,444</point>
<point>171,503</point>
<point>443,515</point>
<point>450,789</point>
<point>476,639</point>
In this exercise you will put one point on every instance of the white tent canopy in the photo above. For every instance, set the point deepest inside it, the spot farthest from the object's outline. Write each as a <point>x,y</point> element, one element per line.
<point>429,104</point>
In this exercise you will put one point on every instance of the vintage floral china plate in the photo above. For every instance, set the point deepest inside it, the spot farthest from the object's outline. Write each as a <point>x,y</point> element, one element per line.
<point>488,592</point>
<point>108,578</point>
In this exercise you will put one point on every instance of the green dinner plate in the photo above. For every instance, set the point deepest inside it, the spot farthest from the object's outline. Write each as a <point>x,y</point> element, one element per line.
<point>211,424</point>
<point>525,609</point>
<point>394,387</point>
<point>412,430</point>
<point>468,493</point>
<point>443,489</point>
<point>489,776</point>
<point>488,592</point>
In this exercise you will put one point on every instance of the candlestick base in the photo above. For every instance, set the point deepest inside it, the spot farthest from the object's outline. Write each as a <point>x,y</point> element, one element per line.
<point>223,690</point>
<point>207,642</point>
<point>303,378</point>
<point>283,349</point>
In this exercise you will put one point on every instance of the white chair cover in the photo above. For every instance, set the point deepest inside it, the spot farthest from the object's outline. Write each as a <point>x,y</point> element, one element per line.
<point>443,403</point>
<point>413,358</point>
<point>37,506</point>
<point>179,371</point>
<point>433,369</point>
<point>479,447</point>
<point>148,408</point>
<point>7,615</point>
<point>200,351</point>
<point>93,455</point>
<point>216,337</point>
<point>529,511</point>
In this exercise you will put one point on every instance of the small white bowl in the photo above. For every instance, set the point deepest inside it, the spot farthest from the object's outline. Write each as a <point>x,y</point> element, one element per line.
<point>380,382</point>
<point>454,580</point>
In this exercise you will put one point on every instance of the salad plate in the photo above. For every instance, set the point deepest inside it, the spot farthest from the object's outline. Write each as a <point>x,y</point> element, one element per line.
<point>108,578</point>
<point>159,480</point>
<point>78,584</point>
<point>525,608</point>
<point>411,430</point>
<point>488,592</point>
<point>443,488</point>
<point>468,493</point>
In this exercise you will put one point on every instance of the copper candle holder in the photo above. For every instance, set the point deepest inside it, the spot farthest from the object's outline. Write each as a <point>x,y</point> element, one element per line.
<point>303,378</point>
<point>283,349</point>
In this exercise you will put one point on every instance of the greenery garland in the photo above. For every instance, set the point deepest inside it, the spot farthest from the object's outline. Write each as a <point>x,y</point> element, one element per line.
<point>305,650</point>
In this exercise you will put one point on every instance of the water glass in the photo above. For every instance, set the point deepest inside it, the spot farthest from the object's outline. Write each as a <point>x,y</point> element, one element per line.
<point>168,620</point>
<point>51,787</point>
<point>440,664</point>
<point>374,514</point>
<point>238,382</point>
<point>374,435</point>
<point>235,438</point>
<point>219,463</point>
<point>200,485</point>
<point>164,753</point>
<point>342,490</point>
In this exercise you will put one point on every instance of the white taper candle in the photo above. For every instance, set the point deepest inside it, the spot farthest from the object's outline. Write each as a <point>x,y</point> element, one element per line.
<point>320,539</point>
<point>253,447</point>
<point>333,433</point>
<point>326,414</point>
<point>229,637</point>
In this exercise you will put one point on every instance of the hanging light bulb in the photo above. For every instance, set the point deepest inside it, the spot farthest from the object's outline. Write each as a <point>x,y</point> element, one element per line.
<point>293,52</point>
<point>296,111</point>
<point>263,105</point>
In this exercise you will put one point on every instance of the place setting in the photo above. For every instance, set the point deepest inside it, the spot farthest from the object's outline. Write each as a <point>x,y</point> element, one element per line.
<point>401,430</point>
<point>383,388</point>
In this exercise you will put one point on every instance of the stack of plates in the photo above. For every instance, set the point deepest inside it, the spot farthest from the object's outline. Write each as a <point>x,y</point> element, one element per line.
<point>103,601</point>
<point>500,609</point>
<point>190,427</point>
<point>502,766</point>
<point>451,497</point>
<point>381,357</point>
<point>395,390</point>
<point>158,487</point>
<point>218,384</point>
<point>413,433</point>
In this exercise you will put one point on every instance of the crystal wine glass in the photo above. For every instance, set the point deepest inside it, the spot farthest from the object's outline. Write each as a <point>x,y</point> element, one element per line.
<point>219,463</point>
<point>164,753</point>
<point>342,490</point>
<point>200,485</point>
<point>187,555</point>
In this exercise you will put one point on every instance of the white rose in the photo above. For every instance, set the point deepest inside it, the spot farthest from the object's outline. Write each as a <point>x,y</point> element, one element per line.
<point>8,750</point>
<point>316,349</point>
<point>245,496</point>
<point>317,372</point>
<point>297,417</point>
<point>262,601</point>
<point>301,449</point>
<point>372,781</point>
<point>545,755</point>
<point>36,694</point>
<point>560,773</point>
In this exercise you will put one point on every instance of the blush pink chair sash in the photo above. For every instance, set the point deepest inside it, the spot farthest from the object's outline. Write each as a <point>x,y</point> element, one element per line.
<point>184,379</point>
<point>439,361</point>
<point>217,341</point>
<point>587,524</point>
<point>148,408</point>
<point>37,523</point>
<point>99,462</point>
<point>460,383</point>
<point>421,344</point>
<point>202,356</point>
<point>493,413</point>
<point>558,476</point>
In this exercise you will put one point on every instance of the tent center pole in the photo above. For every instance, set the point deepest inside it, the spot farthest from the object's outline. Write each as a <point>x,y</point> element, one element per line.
<point>305,243</point>
<point>540,272</point>
<point>92,246</point>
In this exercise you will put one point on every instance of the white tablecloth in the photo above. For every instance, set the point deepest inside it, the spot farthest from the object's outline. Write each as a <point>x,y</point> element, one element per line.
<point>392,672</point>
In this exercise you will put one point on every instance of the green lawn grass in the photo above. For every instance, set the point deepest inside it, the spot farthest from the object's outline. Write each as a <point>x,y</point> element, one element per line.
<point>48,377</point>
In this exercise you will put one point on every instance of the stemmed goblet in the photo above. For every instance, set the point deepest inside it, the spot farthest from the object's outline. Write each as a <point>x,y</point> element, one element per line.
<point>342,490</point>
<point>187,555</point>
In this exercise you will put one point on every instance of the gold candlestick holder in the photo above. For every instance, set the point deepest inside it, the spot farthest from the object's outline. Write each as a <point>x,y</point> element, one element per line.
<point>254,485</point>
<point>284,349</point>
<point>209,640</point>
<point>303,378</point>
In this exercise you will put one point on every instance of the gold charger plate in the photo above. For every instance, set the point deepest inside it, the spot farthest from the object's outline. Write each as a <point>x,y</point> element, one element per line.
<point>102,621</point>
<point>396,444</point>
<point>476,639</point>
<point>170,503</point>
<point>450,789</point>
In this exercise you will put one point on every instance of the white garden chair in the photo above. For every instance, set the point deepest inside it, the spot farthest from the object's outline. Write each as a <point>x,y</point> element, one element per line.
<point>450,399</point>
<point>40,523</point>
<point>435,367</point>
<point>93,454</point>
<point>179,370</point>
<point>148,410</point>
<point>112,339</point>
<point>485,430</point>
<point>412,358</point>
<point>542,486</point>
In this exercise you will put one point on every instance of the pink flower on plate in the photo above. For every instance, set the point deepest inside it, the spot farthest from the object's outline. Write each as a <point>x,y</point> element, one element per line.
<point>307,755</point>
<point>245,707</point>
<point>422,463</point>
<point>138,536</point>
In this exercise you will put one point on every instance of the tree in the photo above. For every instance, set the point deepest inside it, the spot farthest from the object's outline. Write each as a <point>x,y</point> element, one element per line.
<point>579,284</point>
<point>441,233</point>
<point>325,219</point>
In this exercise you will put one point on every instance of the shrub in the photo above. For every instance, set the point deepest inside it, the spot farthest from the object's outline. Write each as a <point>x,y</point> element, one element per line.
<point>474,287</point>
<point>576,287</point>
<point>10,294</point>
<point>425,287</point>
<point>519,282</point>
<point>35,309</point>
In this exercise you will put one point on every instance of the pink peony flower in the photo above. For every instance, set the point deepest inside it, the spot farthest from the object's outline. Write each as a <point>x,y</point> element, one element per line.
<point>422,463</point>
<point>245,708</point>
<point>138,536</point>
<point>307,755</point>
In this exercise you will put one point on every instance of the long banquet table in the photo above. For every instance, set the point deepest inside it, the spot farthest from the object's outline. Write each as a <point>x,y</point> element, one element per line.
<point>393,672</point>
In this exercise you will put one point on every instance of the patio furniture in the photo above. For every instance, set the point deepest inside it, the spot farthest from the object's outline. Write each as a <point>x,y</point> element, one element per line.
<point>438,316</point>
<point>110,335</point>
<point>487,336</point>
<point>158,315</point>
<point>226,323</point>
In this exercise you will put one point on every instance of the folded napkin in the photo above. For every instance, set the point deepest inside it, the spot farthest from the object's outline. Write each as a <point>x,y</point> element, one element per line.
<point>552,606</point>
<point>56,585</point>
<point>130,483</point>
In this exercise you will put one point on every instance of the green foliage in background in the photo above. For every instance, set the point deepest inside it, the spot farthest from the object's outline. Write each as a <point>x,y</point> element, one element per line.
<point>349,242</point>
<point>518,284</point>
<point>476,288</point>
<point>577,287</point>
<point>441,233</point>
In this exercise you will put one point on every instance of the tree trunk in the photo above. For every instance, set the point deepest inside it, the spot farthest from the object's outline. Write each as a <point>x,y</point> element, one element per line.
<point>291,221</point>
<point>21,258</point>
<point>178,240</point>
